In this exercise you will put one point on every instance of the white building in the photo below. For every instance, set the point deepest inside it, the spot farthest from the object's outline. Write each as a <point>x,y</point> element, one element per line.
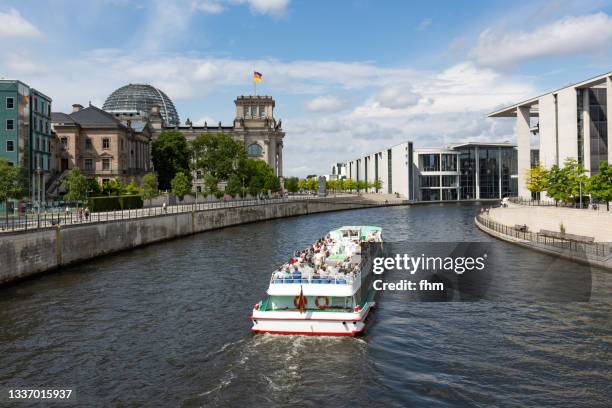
<point>467,171</point>
<point>570,122</point>
<point>392,166</point>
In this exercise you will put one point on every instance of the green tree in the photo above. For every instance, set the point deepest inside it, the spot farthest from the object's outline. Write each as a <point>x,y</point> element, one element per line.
<point>210,184</point>
<point>170,155</point>
<point>564,184</point>
<point>93,187</point>
<point>292,184</point>
<point>361,185</point>
<point>113,187</point>
<point>349,184</point>
<point>132,188</point>
<point>303,184</point>
<point>149,186</point>
<point>600,184</point>
<point>260,177</point>
<point>537,179</point>
<point>75,185</point>
<point>234,186</point>
<point>181,185</point>
<point>377,185</point>
<point>11,183</point>
<point>217,154</point>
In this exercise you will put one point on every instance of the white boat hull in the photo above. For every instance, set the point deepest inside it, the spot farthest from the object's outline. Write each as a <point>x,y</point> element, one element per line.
<point>311,322</point>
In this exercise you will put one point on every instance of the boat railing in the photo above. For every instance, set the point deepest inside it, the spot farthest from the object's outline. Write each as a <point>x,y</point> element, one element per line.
<point>329,280</point>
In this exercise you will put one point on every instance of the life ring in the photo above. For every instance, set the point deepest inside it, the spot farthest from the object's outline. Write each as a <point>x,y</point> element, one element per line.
<point>325,303</point>
<point>296,301</point>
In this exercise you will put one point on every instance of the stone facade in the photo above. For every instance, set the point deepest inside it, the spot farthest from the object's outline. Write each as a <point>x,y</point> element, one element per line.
<point>102,146</point>
<point>254,125</point>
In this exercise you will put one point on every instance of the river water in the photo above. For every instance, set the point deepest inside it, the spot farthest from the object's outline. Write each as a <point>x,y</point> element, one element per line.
<point>167,325</point>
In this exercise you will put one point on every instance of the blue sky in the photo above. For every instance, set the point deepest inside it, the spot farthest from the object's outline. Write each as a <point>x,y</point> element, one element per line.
<point>349,77</point>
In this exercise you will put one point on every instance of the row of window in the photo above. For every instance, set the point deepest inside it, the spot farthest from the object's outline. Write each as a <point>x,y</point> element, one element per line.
<point>254,112</point>
<point>44,108</point>
<point>437,161</point>
<point>89,164</point>
<point>38,125</point>
<point>43,145</point>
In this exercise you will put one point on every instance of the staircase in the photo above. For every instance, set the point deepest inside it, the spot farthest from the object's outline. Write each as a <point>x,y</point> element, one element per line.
<point>54,184</point>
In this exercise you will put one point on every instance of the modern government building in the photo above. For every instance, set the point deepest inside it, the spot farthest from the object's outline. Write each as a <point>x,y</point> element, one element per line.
<point>570,122</point>
<point>468,171</point>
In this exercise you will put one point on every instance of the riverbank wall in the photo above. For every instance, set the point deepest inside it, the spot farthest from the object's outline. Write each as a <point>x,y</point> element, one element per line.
<point>27,253</point>
<point>502,223</point>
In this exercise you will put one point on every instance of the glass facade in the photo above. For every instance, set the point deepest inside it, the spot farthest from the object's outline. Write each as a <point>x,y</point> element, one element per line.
<point>486,172</point>
<point>449,162</point>
<point>598,127</point>
<point>580,122</point>
<point>429,162</point>
<point>467,179</point>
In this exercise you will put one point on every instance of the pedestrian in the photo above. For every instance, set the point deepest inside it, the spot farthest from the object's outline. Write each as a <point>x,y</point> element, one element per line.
<point>164,207</point>
<point>80,214</point>
<point>86,213</point>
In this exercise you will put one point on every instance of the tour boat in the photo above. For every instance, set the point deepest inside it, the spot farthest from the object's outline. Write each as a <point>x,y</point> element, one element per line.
<point>325,289</point>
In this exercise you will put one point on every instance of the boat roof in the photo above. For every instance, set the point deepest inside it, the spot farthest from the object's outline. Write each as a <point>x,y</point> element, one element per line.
<point>364,230</point>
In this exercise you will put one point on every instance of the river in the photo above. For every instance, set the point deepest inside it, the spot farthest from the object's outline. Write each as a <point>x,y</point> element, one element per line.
<point>167,325</point>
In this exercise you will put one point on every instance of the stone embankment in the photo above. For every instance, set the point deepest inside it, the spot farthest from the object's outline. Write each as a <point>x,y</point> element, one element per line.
<point>26,253</point>
<point>578,234</point>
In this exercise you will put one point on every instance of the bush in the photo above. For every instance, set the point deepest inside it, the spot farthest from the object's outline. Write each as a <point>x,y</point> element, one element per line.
<point>114,203</point>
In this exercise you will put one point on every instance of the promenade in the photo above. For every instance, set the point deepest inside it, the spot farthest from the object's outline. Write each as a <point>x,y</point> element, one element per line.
<point>32,221</point>
<point>578,234</point>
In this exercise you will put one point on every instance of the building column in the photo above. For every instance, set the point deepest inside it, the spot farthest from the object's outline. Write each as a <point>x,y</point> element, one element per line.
<point>523,141</point>
<point>280,159</point>
<point>477,172</point>
<point>609,115</point>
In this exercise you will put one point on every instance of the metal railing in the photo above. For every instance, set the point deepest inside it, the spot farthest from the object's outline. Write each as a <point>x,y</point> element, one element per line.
<point>340,279</point>
<point>49,219</point>
<point>552,203</point>
<point>592,248</point>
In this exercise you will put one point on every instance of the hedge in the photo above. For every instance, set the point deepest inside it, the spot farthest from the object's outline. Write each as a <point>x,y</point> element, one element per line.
<point>113,203</point>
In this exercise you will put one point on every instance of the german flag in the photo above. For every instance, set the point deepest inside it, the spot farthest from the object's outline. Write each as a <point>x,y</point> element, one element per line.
<point>257,77</point>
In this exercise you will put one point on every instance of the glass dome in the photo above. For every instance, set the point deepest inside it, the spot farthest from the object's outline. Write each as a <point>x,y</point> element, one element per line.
<point>134,98</point>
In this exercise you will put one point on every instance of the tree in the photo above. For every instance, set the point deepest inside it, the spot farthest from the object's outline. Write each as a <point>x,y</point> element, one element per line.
<point>349,184</point>
<point>149,187</point>
<point>11,183</point>
<point>210,184</point>
<point>217,154</point>
<point>181,185</point>
<point>536,179</point>
<point>361,185</point>
<point>564,184</point>
<point>93,187</point>
<point>75,185</point>
<point>132,188</point>
<point>234,186</point>
<point>113,187</point>
<point>259,177</point>
<point>292,184</point>
<point>377,184</point>
<point>170,155</point>
<point>600,184</point>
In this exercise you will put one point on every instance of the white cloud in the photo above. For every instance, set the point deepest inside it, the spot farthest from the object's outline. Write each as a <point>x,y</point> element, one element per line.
<point>568,36</point>
<point>275,8</point>
<point>210,7</point>
<point>13,25</point>
<point>397,97</point>
<point>325,103</point>
<point>424,24</point>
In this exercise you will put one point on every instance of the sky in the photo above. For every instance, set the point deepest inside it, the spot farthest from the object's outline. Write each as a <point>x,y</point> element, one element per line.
<point>349,76</point>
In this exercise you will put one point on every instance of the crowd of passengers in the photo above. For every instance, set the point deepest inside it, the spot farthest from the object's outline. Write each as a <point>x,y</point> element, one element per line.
<point>312,263</point>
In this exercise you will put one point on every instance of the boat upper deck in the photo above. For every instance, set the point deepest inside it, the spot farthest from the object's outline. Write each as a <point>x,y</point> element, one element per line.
<point>331,265</point>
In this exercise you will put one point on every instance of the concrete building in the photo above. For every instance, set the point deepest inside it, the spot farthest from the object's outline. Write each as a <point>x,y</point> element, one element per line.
<point>436,174</point>
<point>101,145</point>
<point>392,166</point>
<point>25,134</point>
<point>468,171</point>
<point>570,122</point>
<point>254,123</point>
